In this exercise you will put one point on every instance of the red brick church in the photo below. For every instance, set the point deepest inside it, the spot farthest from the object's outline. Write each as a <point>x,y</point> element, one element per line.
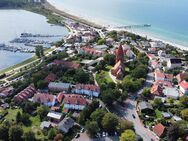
<point>119,69</point>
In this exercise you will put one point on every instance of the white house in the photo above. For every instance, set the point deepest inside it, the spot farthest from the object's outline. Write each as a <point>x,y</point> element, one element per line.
<point>45,99</point>
<point>74,101</point>
<point>161,53</point>
<point>58,86</point>
<point>157,44</point>
<point>160,76</point>
<point>87,89</point>
<point>174,63</point>
<point>171,92</point>
<point>184,87</point>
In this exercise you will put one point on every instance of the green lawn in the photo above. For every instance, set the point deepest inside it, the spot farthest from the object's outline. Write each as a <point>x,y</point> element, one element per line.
<point>35,127</point>
<point>158,113</point>
<point>11,116</point>
<point>103,77</point>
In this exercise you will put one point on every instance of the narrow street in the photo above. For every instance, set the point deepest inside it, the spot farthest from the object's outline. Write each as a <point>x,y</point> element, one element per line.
<point>129,109</point>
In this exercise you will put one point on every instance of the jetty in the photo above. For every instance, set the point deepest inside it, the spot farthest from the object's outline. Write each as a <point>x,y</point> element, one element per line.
<point>127,27</point>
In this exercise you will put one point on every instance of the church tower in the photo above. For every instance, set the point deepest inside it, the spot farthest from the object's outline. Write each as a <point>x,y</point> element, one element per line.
<point>119,54</point>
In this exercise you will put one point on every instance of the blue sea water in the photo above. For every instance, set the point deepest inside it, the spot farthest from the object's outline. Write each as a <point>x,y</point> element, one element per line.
<point>169,18</point>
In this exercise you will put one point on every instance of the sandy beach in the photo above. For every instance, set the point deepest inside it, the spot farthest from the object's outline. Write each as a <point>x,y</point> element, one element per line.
<point>49,4</point>
<point>66,14</point>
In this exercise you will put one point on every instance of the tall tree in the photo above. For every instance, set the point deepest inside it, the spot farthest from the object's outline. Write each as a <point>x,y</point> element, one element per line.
<point>4,132</point>
<point>173,132</point>
<point>128,135</point>
<point>29,136</point>
<point>92,128</point>
<point>110,122</point>
<point>15,133</point>
<point>98,116</point>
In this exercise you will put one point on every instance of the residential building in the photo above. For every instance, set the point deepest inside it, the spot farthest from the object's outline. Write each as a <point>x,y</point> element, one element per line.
<point>156,90</point>
<point>171,92</point>
<point>90,51</point>
<point>166,115</point>
<point>54,116</point>
<point>45,99</point>
<point>74,101</point>
<point>157,44</point>
<point>59,86</point>
<point>151,57</point>
<point>87,89</point>
<point>45,125</point>
<point>154,64</point>
<point>159,130</point>
<point>181,76</point>
<point>66,64</point>
<point>6,92</point>
<point>50,78</point>
<point>25,94</point>
<point>66,124</point>
<point>174,63</point>
<point>161,53</point>
<point>159,75</point>
<point>184,87</point>
<point>145,107</point>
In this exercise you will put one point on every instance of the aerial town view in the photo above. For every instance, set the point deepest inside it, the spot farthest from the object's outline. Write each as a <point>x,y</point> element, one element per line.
<point>111,70</point>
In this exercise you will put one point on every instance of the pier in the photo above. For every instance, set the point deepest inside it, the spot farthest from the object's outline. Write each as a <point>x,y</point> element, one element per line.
<point>127,27</point>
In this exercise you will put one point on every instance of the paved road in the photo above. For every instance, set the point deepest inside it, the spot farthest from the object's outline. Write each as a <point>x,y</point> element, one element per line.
<point>84,137</point>
<point>127,111</point>
<point>130,108</point>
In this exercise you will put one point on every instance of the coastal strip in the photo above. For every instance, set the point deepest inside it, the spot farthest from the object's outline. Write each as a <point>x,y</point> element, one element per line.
<point>48,6</point>
<point>96,24</point>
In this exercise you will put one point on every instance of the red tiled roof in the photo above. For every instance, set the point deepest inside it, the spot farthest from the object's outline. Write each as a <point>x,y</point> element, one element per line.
<point>160,74</point>
<point>181,76</point>
<point>25,94</point>
<point>156,90</point>
<point>60,97</point>
<point>151,56</point>
<point>51,77</point>
<point>92,51</point>
<point>67,64</point>
<point>43,98</point>
<point>88,87</point>
<point>184,84</point>
<point>164,83</point>
<point>159,129</point>
<point>74,99</point>
<point>65,110</point>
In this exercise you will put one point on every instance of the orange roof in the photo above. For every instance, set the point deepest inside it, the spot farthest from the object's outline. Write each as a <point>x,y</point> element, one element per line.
<point>159,129</point>
<point>184,84</point>
<point>156,89</point>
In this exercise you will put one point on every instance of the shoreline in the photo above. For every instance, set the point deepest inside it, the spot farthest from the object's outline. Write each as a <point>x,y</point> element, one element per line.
<point>65,14</point>
<point>99,24</point>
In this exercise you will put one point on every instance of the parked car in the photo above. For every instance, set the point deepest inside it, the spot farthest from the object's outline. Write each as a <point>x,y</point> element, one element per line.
<point>133,116</point>
<point>82,130</point>
<point>103,134</point>
<point>77,136</point>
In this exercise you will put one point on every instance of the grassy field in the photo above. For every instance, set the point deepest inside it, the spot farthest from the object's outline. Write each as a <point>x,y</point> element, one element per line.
<point>158,113</point>
<point>103,77</point>
<point>11,116</point>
